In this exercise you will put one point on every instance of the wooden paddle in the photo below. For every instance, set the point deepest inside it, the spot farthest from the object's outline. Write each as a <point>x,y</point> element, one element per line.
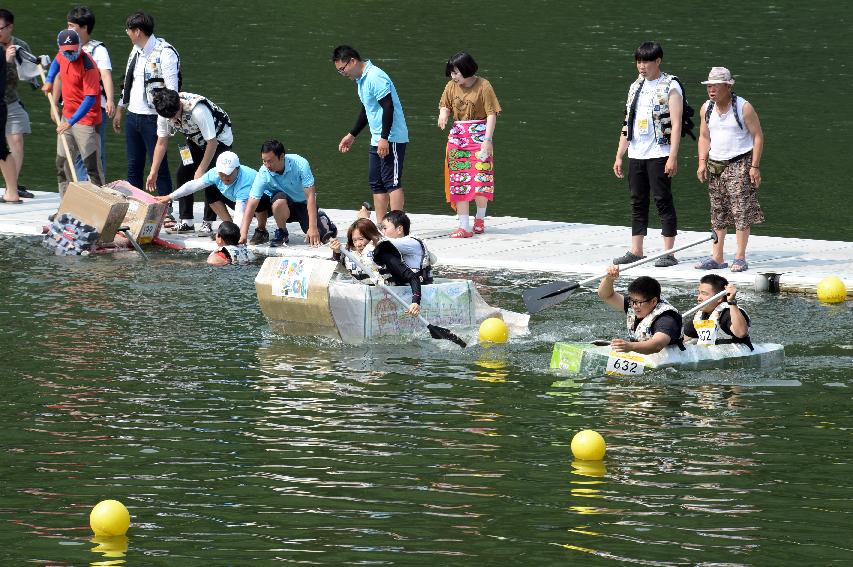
<point>435,331</point>
<point>55,112</point>
<point>551,294</point>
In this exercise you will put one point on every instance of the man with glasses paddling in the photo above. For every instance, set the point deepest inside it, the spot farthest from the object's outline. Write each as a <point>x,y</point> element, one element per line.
<point>652,322</point>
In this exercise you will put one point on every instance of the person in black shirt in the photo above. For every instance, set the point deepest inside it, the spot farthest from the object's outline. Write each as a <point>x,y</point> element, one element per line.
<point>730,322</point>
<point>652,322</point>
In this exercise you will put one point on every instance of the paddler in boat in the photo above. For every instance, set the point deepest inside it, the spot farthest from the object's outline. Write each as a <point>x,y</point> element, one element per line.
<point>652,322</point>
<point>720,322</point>
<point>364,239</point>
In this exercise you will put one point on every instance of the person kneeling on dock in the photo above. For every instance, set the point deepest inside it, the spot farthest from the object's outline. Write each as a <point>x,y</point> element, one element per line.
<point>378,253</point>
<point>229,252</point>
<point>233,182</point>
<point>395,227</point>
<point>720,322</point>
<point>288,181</point>
<point>652,322</point>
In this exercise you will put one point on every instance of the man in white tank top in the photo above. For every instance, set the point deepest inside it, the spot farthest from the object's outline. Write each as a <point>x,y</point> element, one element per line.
<point>730,147</point>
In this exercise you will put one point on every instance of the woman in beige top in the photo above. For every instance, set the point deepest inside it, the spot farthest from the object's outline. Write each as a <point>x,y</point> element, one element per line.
<point>469,166</point>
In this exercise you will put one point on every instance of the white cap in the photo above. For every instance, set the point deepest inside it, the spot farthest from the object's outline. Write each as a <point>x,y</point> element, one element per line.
<point>227,162</point>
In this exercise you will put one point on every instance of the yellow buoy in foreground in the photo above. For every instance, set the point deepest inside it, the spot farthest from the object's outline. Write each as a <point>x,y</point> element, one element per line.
<point>493,330</point>
<point>831,290</point>
<point>109,518</point>
<point>588,445</point>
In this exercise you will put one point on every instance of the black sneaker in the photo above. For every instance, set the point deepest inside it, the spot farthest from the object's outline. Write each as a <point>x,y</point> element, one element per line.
<point>23,193</point>
<point>260,236</point>
<point>280,237</point>
<point>328,228</point>
<point>627,258</point>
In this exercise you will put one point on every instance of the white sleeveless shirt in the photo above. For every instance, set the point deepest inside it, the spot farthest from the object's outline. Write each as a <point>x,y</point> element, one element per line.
<point>728,140</point>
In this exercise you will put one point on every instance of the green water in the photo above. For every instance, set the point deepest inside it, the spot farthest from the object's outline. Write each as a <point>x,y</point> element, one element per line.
<point>162,386</point>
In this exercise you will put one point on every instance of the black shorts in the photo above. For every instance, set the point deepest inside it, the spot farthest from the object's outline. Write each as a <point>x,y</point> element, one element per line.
<point>264,206</point>
<point>386,174</point>
<point>299,213</point>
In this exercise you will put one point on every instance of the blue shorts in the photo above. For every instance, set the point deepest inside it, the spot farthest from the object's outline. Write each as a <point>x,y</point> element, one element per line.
<point>386,174</point>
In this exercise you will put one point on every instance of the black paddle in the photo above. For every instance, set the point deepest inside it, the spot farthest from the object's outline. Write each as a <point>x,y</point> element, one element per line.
<point>434,330</point>
<point>551,294</point>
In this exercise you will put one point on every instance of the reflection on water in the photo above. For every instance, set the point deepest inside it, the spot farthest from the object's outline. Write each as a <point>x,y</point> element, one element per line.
<point>232,444</point>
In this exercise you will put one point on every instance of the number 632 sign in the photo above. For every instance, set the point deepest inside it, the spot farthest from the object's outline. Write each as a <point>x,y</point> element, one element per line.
<point>622,364</point>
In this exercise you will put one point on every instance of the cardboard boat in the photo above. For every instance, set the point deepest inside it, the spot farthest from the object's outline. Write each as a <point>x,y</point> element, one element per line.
<point>586,358</point>
<point>308,297</point>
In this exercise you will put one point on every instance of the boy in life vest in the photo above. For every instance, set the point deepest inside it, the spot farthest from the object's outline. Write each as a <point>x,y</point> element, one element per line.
<point>395,227</point>
<point>229,252</point>
<point>721,322</point>
<point>652,322</point>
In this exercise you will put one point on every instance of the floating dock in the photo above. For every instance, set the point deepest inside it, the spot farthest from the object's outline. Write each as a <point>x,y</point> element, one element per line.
<point>559,249</point>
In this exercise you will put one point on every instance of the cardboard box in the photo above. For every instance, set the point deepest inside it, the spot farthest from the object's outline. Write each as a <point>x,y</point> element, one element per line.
<point>144,214</point>
<point>102,208</point>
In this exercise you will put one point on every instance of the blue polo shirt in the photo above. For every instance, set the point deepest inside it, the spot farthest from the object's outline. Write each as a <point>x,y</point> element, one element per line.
<point>237,191</point>
<point>292,182</point>
<point>374,85</point>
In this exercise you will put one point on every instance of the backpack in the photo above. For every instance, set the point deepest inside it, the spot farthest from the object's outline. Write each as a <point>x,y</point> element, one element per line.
<point>734,108</point>
<point>686,114</point>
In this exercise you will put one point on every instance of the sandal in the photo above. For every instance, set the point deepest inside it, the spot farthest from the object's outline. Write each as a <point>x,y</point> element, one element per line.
<point>739,265</point>
<point>17,201</point>
<point>461,233</point>
<point>710,264</point>
<point>169,222</point>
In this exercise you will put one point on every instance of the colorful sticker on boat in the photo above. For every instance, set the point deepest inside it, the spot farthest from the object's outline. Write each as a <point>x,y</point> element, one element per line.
<point>625,364</point>
<point>290,278</point>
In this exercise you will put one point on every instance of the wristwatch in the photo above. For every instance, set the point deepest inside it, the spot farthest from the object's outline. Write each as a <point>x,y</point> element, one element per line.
<point>731,301</point>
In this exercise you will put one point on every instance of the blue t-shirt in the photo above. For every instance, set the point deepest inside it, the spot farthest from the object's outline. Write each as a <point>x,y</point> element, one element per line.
<point>237,191</point>
<point>374,85</point>
<point>293,181</point>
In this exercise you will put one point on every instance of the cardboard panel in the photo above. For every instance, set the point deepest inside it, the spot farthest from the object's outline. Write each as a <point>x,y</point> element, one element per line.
<point>294,295</point>
<point>144,214</point>
<point>102,208</point>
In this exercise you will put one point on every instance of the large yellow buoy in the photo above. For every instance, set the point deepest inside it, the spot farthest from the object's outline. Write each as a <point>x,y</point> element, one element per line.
<point>831,290</point>
<point>109,518</point>
<point>588,445</point>
<point>493,330</point>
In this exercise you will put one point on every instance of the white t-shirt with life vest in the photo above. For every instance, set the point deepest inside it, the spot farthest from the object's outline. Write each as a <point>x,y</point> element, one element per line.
<point>644,143</point>
<point>102,57</point>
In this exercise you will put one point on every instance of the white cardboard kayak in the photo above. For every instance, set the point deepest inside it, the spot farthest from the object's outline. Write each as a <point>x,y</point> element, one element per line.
<point>586,358</point>
<point>306,296</point>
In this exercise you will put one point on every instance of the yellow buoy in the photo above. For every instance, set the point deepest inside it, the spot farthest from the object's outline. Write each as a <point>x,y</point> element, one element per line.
<point>493,330</point>
<point>831,290</point>
<point>588,445</point>
<point>109,518</point>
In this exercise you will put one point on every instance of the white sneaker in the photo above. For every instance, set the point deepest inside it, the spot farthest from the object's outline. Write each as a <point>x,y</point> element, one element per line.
<point>206,229</point>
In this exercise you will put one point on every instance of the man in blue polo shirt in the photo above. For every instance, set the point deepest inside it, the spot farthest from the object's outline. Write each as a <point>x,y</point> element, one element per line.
<point>234,182</point>
<point>382,111</point>
<point>288,181</point>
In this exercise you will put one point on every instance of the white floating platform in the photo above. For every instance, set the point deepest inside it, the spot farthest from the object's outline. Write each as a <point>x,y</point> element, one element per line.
<point>523,245</point>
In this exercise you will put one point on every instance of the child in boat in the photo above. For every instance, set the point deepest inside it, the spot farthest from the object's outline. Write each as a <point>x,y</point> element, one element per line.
<point>395,226</point>
<point>364,239</point>
<point>229,252</point>
<point>652,322</point>
<point>720,322</point>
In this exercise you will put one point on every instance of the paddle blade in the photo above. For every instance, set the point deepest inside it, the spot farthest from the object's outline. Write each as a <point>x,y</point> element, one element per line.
<point>445,334</point>
<point>547,295</point>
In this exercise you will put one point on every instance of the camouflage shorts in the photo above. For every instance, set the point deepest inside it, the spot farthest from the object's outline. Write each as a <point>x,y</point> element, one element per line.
<point>734,200</point>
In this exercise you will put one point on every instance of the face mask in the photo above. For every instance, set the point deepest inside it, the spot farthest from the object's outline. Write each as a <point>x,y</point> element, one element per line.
<point>71,55</point>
